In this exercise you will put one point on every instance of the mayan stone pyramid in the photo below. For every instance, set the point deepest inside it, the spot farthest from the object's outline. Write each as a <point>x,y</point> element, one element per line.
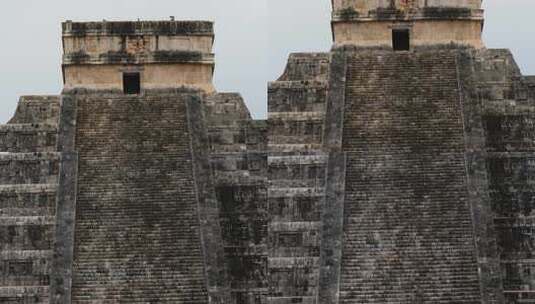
<point>397,168</point>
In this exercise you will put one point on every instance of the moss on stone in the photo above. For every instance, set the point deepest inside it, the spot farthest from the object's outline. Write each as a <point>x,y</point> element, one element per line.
<point>348,13</point>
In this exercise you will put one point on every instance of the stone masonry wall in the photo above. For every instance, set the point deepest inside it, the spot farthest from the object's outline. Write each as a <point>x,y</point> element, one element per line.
<point>37,109</point>
<point>28,183</point>
<point>507,111</point>
<point>239,163</point>
<point>296,174</point>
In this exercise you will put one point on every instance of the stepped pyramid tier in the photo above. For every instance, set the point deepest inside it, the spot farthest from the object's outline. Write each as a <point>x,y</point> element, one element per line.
<point>396,168</point>
<point>375,23</point>
<point>28,187</point>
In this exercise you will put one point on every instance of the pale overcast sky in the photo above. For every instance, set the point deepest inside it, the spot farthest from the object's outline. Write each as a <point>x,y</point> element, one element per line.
<point>253,38</point>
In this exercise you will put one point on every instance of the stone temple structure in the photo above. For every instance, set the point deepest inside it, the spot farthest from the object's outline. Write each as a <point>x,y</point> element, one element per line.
<point>397,168</point>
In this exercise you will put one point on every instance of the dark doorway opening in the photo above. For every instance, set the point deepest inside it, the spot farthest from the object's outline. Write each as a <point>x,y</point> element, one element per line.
<point>401,40</point>
<point>131,83</point>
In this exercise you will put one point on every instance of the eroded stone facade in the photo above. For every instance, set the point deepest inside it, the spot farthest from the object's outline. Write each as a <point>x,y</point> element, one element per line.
<point>379,176</point>
<point>369,23</point>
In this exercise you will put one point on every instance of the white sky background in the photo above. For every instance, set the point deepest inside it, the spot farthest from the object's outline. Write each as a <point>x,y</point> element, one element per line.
<point>253,38</point>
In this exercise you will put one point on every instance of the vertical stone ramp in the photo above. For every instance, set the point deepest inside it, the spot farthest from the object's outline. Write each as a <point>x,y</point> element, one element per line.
<point>408,233</point>
<point>137,235</point>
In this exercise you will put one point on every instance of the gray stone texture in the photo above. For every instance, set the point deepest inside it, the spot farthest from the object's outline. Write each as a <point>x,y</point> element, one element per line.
<point>138,234</point>
<point>479,126</point>
<point>37,110</point>
<point>62,261</point>
<point>378,177</point>
<point>506,100</point>
<point>208,205</point>
<point>408,234</point>
<point>239,164</point>
<point>296,178</point>
<point>28,186</point>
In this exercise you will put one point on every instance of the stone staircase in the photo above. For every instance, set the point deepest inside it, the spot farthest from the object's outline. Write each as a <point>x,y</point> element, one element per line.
<point>296,174</point>
<point>137,232</point>
<point>408,232</point>
<point>28,184</point>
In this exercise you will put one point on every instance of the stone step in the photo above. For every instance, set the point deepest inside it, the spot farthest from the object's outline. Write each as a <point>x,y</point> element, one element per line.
<point>408,235</point>
<point>295,192</point>
<point>228,163</point>
<point>27,200</point>
<point>297,171</point>
<point>23,138</point>
<point>26,220</point>
<point>120,295</point>
<point>307,66</point>
<point>293,262</point>
<point>290,147</point>
<point>37,109</point>
<point>297,208</point>
<point>295,128</point>
<point>25,267</point>
<point>297,159</point>
<point>29,168</point>
<point>297,96</point>
<point>24,294</point>
<point>293,239</point>
<point>99,273</point>
<point>292,300</point>
<point>25,254</point>
<point>298,182</point>
<point>244,136</point>
<point>26,233</point>
<point>224,109</point>
<point>293,117</point>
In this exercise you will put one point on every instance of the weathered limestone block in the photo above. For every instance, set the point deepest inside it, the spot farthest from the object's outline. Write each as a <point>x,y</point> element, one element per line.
<point>247,135</point>
<point>27,200</point>
<point>31,295</point>
<point>29,168</point>
<point>530,86</point>
<point>25,268</point>
<point>225,109</point>
<point>26,233</point>
<point>37,110</point>
<point>165,54</point>
<point>297,96</point>
<point>239,164</point>
<point>28,137</point>
<point>296,173</point>
<point>306,67</point>
<point>304,129</point>
<point>507,116</point>
<point>369,23</point>
<point>300,204</point>
<point>28,184</point>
